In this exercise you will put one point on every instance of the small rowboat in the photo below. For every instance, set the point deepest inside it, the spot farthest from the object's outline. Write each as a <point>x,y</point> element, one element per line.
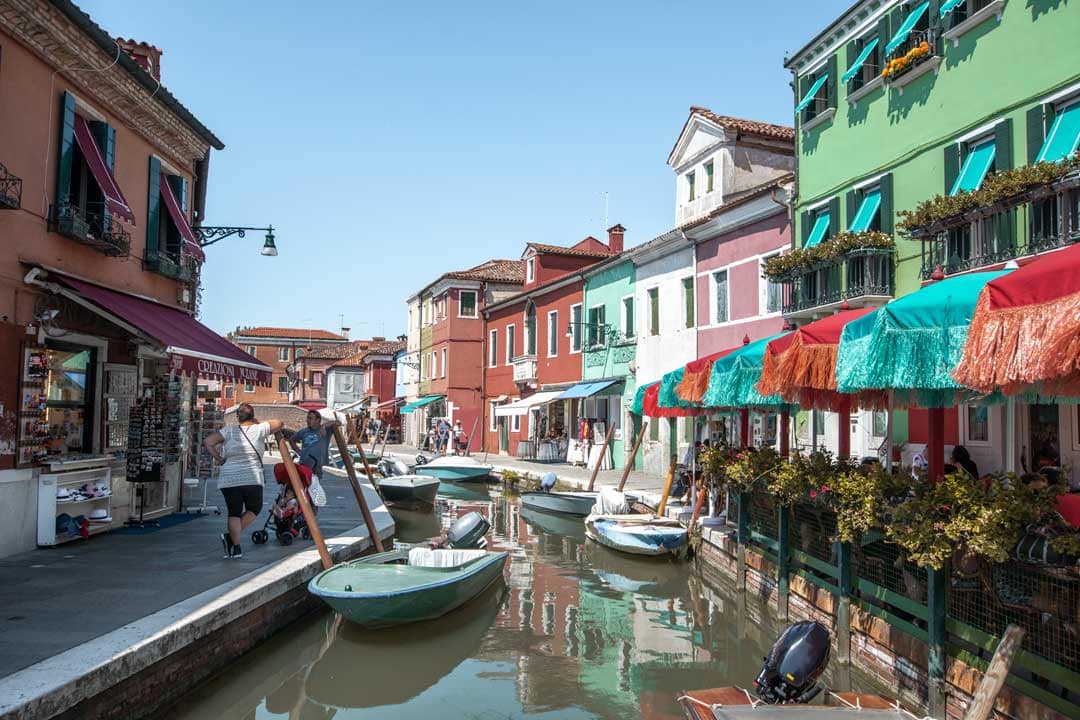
<point>567,503</point>
<point>732,703</point>
<point>638,534</point>
<point>454,468</point>
<point>409,490</point>
<point>404,586</point>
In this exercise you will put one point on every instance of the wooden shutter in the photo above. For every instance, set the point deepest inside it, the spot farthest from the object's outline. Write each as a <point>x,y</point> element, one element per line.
<point>105,136</point>
<point>153,208</point>
<point>952,164</point>
<point>934,12</point>
<point>851,204</point>
<point>886,212</point>
<point>834,217</point>
<point>804,228</point>
<point>883,36</point>
<point>1003,146</point>
<point>804,87</point>
<point>833,82</point>
<point>1039,119</point>
<point>852,54</point>
<point>65,149</point>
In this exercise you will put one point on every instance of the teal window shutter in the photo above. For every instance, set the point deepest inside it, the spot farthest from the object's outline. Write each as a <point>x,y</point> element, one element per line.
<point>855,66</point>
<point>105,137</point>
<point>885,187</point>
<point>976,166</point>
<point>809,96</point>
<point>1064,137</point>
<point>804,226</point>
<point>868,210</point>
<point>65,148</point>
<point>851,204</point>
<point>907,26</point>
<point>821,228</point>
<point>153,208</point>
<point>1003,152</point>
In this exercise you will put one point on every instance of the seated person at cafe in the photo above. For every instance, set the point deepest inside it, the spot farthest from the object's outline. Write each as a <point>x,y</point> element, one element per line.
<point>961,460</point>
<point>1067,504</point>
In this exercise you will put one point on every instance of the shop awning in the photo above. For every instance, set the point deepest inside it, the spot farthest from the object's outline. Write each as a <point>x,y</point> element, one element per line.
<point>427,400</point>
<point>114,199</point>
<point>976,165</point>
<point>811,93</point>
<point>821,226</point>
<point>867,210</point>
<point>907,26</point>
<point>389,403</point>
<point>1064,137</point>
<point>191,245</point>
<point>860,60</point>
<point>734,379</point>
<point>192,347</point>
<point>695,379</point>
<point>521,407</point>
<point>585,389</point>
<point>948,6</point>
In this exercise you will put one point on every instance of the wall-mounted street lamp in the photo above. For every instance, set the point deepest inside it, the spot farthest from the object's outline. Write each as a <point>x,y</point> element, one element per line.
<point>604,332</point>
<point>210,234</point>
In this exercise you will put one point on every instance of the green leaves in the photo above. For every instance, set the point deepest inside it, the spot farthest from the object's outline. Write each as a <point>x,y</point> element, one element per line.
<point>782,267</point>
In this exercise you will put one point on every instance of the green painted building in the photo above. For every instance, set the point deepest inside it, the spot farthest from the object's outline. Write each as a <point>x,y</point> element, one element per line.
<point>610,342</point>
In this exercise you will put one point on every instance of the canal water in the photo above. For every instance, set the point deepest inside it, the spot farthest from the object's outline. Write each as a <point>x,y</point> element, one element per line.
<point>576,631</point>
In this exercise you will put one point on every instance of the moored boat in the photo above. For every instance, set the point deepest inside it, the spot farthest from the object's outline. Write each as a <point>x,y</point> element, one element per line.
<point>733,703</point>
<point>409,490</point>
<point>454,468</point>
<point>567,503</point>
<point>404,586</point>
<point>638,534</point>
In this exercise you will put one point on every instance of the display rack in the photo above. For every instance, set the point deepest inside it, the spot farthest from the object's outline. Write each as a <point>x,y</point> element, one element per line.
<point>33,437</point>
<point>59,494</point>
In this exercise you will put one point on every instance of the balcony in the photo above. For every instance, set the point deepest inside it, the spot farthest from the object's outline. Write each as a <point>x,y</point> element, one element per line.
<point>91,226</point>
<point>860,278</point>
<point>1041,219</point>
<point>164,264</point>
<point>10,190</point>
<point>918,55</point>
<point>524,369</point>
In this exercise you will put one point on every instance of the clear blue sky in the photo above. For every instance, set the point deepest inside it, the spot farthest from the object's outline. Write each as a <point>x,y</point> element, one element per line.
<point>389,142</point>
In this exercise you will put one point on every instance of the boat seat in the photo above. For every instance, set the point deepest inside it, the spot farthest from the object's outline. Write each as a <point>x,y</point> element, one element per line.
<point>425,557</point>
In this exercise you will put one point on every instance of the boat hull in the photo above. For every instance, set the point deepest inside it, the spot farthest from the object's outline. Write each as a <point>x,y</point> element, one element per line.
<point>580,503</point>
<point>425,601</point>
<point>409,489</point>
<point>649,540</point>
<point>455,473</point>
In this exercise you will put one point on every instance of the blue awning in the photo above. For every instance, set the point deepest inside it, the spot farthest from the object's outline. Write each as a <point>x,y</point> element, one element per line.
<point>949,5</point>
<point>870,204</point>
<point>821,226</point>
<point>976,165</point>
<point>420,403</point>
<point>1064,137</point>
<point>860,60</point>
<point>585,389</point>
<point>813,91</point>
<point>907,26</point>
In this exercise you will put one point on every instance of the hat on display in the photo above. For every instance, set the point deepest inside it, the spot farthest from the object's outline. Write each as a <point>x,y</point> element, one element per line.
<point>100,515</point>
<point>62,493</point>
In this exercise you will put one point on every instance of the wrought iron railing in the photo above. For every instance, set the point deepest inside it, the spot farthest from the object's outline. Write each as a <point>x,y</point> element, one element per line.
<point>171,267</point>
<point>858,274</point>
<point>914,40</point>
<point>10,190</point>
<point>92,226</point>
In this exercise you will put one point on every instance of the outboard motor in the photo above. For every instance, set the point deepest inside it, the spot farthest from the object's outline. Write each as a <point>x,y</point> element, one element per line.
<point>390,467</point>
<point>468,531</point>
<point>795,662</point>
<point>548,481</point>
<point>421,459</point>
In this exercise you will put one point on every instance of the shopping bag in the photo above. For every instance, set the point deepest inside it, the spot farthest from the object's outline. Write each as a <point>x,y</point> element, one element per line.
<point>318,495</point>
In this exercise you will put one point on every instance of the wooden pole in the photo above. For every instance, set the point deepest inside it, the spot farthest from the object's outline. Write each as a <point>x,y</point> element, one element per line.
<point>468,445</point>
<point>667,487</point>
<point>603,451</point>
<point>702,494</point>
<point>785,433</point>
<point>385,440</point>
<point>302,500</point>
<point>935,448</point>
<point>350,470</point>
<point>982,705</point>
<point>843,437</point>
<point>744,427</point>
<point>633,455</point>
<point>363,455</point>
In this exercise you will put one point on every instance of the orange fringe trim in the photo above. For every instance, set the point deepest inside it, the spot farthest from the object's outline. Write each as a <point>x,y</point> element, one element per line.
<point>1013,349</point>
<point>805,374</point>
<point>694,384</point>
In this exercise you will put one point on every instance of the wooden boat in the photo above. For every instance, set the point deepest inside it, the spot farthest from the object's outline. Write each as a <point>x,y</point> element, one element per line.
<point>404,586</point>
<point>732,703</point>
<point>567,503</point>
<point>459,468</point>
<point>554,524</point>
<point>638,534</point>
<point>409,490</point>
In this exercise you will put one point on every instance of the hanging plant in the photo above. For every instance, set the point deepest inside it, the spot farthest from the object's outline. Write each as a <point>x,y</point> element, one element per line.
<point>714,463</point>
<point>900,65</point>
<point>750,468</point>
<point>782,267</point>
<point>862,497</point>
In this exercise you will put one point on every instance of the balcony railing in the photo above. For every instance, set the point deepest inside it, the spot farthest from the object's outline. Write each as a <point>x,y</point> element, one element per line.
<point>524,369</point>
<point>10,190</point>
<point>861,277</point>
<point>164,264</point>
<point>1047,217</point>
<point>930,36</point>
<point>92,226</point>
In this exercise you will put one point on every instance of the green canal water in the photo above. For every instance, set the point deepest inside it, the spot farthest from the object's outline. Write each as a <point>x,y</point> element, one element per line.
<point>576,631</point>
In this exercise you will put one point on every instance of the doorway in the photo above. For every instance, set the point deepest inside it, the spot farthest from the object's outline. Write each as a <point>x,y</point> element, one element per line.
<point>1043,437</point>
<point>504,435</point>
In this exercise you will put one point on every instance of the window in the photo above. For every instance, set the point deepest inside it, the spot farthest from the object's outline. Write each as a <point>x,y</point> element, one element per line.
<point>249,388</point>
<point>530,328</point>
<point>595,337</point>
<point>515,423</point>
<point>654,429</point>
<point>864,66</point>
<point>654,311</point>
<point>230,391</point>
<point>510,343</point>
<point>530,269</point>
<point>493,348</point>
<point>955,12</point>
<point>912,32</point>
<point>819,422</point>
<point>867,216</point>
<point>283,384</point>
<point>772,293</point>
<point>688,301</point>
<point>283,354</point>
<point>492,421</point>
<point>467,303</point>
<point>251,350</point>
<point>978,424</point>
<point>316,378</point>
<point>979,161</point>
<point>709,176</point>
<point>553,333</point>
<point>690,186</point>
<point>821,220</point>
<point>720,286</point>
<point>879,424</point>
<point>628,317</point>
<point>575,328</point>
<point>1063,138</point>
<point>434,365</point>
<point>817,92</point>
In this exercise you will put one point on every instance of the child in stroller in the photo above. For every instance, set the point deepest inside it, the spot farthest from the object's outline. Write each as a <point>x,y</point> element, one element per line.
<point>285,512</point>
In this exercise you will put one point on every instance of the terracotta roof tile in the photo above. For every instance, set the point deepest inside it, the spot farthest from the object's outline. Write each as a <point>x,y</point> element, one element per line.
<point>382,348</point>
<point>337,352</point>
<point>290,333</point>
<point>509,271</point>
<point>560,250</point>
<point>750,127</point>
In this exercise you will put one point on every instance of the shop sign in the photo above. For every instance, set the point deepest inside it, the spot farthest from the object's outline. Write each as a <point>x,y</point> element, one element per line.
<point>221,370</point>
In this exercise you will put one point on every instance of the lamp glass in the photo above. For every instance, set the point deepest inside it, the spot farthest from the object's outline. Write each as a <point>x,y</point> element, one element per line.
<point>269,249</point>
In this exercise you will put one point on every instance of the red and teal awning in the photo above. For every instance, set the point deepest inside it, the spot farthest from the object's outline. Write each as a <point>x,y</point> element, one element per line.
<point>734,378</point>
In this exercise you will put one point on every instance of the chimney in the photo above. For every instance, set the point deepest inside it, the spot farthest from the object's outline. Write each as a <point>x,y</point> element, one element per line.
<point>377,338</point>
<point>345,332</point>
<point>615,238</point>
<point>145,56</point>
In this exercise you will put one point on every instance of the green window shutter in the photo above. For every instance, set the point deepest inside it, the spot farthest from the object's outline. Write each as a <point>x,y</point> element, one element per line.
<point>1039,119</point>
<point>804,87</point>
<point>886,187</point>
<point>105,137</point>
<point>952,164</point>
<point>833,83</point>
<point>805,228</point>
<point>834,215</point>
<point>851,204</point>
<point>65,148</point>
<point>883,33</point>
<point>1003,153</point>
<point>936,22</point>
<point>852,55</point>
<point>153,208</point>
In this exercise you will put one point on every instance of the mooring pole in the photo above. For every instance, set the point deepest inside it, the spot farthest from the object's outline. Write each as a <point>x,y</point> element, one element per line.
<point>667,487</point>
<point>358,491</point>
<point>633,455</point>
<point>302,500</point>
<point>603,451</point>
<point>363,455</point>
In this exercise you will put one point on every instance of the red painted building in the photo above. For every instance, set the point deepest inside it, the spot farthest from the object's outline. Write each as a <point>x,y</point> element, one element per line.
<point>533,344</point>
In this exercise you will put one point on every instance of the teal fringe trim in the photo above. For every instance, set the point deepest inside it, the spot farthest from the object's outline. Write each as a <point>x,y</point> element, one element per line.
<point>637,407</point>
<point>737,388</point>
<point>666,397</point>
<point>901,359</point>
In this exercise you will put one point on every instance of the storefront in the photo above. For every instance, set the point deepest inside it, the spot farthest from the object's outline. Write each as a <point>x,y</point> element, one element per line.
<point>109,418</point>
<point>590,408</point>
<point>422,414</point>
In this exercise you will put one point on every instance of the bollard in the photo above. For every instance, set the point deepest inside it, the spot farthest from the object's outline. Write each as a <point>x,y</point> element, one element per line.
<point>935,631</point>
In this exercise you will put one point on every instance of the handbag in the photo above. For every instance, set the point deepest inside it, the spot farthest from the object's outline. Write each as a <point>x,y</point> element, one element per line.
<point>318,495</point>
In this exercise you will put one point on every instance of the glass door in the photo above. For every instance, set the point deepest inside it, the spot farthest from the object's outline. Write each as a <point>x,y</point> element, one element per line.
<point>1044,441</point>
<point>69,407</point>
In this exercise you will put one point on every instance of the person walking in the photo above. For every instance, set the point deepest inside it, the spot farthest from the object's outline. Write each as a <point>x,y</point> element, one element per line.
<point>239,451</point>
<point>459,434</point>
<point>312,443</point>
<point>444,435</point>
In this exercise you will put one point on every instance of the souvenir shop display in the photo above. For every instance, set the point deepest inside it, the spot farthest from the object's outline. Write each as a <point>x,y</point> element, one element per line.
<point>153,430</point>
<point>33,437</point>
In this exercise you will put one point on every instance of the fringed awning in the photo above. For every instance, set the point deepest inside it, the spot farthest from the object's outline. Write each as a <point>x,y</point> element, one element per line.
<point>638,405</point>
<point>1025,332</point>
<point>696,374</point>
<point>910,346</point>
<point>667,397</point>
<point>801,367</point>
<point>651,407</point>
<point>734,378</point>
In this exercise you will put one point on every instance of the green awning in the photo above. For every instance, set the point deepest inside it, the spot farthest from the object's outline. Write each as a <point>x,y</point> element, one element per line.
<point>1064,136</point>
<point>855,66</point>
<point>949,5</point>
<point>813,91</point>
<point>734,378</point>
<point>869,207</point>
<point>976,165</point>
<point>907,26</point>
<point>420,403</point>
<point>821,226</point>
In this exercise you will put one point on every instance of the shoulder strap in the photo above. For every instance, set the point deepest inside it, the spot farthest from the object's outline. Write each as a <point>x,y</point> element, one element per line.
<point>257,453</point>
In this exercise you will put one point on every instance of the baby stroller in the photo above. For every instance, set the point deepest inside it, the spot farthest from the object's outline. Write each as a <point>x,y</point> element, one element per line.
<point>291,524</point>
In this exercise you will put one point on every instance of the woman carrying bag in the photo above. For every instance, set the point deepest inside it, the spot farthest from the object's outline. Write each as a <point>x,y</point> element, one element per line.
<point>241,474</point>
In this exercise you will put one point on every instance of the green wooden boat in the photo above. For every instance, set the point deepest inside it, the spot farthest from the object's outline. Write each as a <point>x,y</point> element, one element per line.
<point>406,585</point>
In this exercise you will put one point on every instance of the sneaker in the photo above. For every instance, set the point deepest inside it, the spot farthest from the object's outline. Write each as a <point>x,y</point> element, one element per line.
<point>237,552</point>
<point>226,544</point>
